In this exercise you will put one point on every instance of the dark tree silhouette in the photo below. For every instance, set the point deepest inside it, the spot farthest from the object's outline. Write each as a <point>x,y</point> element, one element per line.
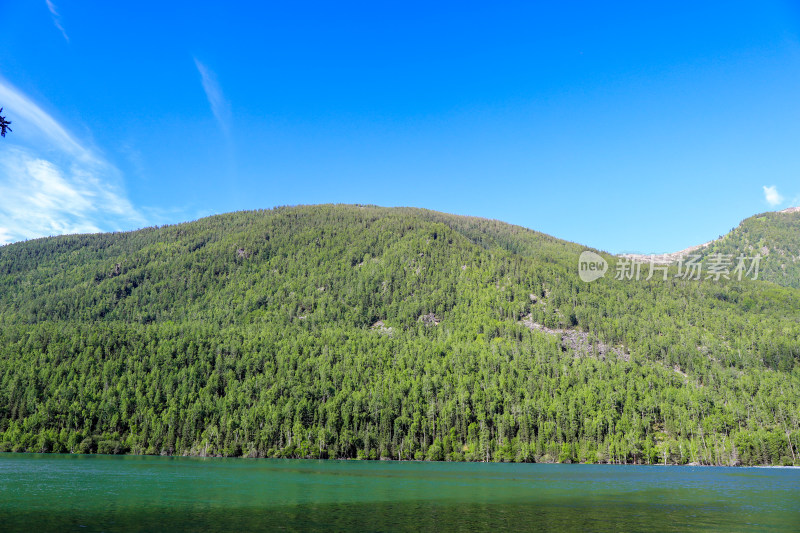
<point>4,124</point>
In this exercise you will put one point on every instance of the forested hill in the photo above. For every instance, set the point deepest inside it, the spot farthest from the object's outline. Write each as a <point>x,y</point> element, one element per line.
<point>359,331</point>
<point>775,236</point>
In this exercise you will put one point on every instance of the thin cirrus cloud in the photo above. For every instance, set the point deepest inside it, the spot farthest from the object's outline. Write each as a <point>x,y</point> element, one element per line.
<point>52,184</point>
<point>219,105</point>
<point>56,18</point>
<point>772,196</point>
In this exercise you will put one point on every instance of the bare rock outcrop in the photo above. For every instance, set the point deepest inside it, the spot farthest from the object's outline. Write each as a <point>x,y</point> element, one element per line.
<point>580,342</point>
<point>382,328</point>
<point>430,319</point>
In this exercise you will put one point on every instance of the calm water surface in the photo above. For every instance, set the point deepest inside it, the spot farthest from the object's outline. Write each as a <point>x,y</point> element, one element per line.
<point>107,493</point>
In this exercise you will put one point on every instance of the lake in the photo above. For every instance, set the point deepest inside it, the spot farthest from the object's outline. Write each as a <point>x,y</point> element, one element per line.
<point>144,493</point>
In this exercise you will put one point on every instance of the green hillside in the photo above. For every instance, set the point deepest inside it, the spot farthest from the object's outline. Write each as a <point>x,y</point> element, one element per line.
<point>368,332</point>
<point>775,237</point>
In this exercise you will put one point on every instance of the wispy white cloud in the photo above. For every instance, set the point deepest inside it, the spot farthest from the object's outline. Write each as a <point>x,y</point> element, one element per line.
<point>5,236</point>
<point>56,18</point>
<point>219,105</point>
<point>50,183</point>
<point>772,196</point>
<point>38,123</point>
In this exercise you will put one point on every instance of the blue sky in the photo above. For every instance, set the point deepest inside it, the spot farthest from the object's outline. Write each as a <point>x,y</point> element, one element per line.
<point>627,127</point>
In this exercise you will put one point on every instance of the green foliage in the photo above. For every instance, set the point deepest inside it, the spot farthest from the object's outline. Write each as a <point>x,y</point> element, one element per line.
<point>257,334</point>
<point>4,124</point>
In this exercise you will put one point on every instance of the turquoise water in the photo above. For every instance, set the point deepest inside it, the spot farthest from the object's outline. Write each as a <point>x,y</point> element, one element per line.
<point>135,493</point>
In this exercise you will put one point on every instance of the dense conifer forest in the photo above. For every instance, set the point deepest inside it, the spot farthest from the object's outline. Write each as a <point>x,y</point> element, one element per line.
<point>367,332</point>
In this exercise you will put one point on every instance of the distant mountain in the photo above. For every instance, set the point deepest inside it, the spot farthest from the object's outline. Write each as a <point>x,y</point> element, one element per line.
<point>667,258</point>
<point>349,331</point>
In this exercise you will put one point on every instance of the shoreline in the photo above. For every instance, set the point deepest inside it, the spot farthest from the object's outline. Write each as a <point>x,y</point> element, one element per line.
<point>385,460</point>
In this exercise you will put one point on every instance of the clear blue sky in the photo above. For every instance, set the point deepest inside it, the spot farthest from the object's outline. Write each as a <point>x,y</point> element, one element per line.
<point>625,126</point>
